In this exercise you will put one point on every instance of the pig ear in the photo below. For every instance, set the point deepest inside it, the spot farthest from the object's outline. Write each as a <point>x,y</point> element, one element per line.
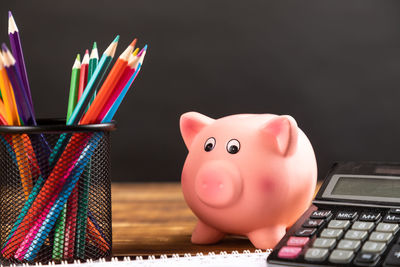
<point>191,124</point>
<point>283,129</point>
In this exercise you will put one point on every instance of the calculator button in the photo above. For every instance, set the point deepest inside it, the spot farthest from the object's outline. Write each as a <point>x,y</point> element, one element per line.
<point>313,223</point>
<point>367,259</point>
<point>289,252</point>
<point>328,243</point>
<point>363,226</point>
<point>346,215</point>
<point>380,237</point>
<point>369,216</point>
<point>374,247</point>
<point>387,227</point>
<point>390,218</point>
<point>349,244</point>
<point>339,224</point>
<point>341,256</point>
<point>332,233</point>
<point>394,211</point>
<point>393,258</point>
<point>295,241</point>
<point>356,235</point>
<point>305,232</point>
<point>321,214</point>
<point>316,254</point>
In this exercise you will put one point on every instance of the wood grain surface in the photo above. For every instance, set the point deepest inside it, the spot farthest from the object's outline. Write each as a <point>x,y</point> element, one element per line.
<point>153,219</point>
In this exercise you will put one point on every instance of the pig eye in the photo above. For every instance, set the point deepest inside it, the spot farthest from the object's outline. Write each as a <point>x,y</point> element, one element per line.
<point>233,146</point>
<point>210,144</point>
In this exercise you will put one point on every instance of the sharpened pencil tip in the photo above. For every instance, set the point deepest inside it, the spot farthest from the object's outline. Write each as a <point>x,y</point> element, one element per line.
<point>133,42</point>
<point>9,14</point>
<point>136,52</point>
<point>4,47</point>
<point>78,57</point>
<point>145,48</point>
<point>94,46</point>
<point>116,39</point>
<point>87,51</point>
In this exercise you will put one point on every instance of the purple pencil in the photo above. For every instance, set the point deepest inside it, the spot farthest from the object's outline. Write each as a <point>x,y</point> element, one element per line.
<point>16,49</point>
<point>24,109</point>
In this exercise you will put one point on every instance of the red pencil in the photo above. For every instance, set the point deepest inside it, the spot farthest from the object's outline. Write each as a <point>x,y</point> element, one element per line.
<point>83,74</point>
<point>106,90</point>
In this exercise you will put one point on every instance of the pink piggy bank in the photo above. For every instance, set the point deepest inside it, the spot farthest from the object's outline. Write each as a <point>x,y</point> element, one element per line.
<point>248,174</point>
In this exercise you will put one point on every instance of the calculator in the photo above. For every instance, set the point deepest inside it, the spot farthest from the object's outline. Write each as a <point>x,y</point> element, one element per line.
<point>353,221</point>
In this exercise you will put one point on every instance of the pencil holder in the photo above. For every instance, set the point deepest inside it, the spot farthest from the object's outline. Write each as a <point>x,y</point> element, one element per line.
<point>55,192</point>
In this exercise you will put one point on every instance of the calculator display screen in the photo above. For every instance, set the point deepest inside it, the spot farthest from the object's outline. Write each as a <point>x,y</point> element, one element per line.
<point>364,187</point>
<point>367,187</point>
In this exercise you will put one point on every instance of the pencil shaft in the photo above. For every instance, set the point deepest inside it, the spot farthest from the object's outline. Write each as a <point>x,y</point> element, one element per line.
<point>16,49</point>
<point>91,86</point>
<point>73,91</point>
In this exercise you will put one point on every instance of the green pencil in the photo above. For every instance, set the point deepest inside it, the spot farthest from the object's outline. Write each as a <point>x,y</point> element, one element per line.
<point>58,245</point>
<point>73,90</point>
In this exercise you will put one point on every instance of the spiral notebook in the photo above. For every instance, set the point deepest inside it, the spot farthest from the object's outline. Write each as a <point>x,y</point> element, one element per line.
<point>258,258</point>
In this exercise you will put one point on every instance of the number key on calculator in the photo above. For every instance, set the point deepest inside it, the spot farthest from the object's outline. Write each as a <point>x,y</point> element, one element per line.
<point>353,221</point>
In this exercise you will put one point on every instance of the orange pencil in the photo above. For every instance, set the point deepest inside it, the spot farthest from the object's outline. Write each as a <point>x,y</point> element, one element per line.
<point>106,90</point>
<point>8,96</point>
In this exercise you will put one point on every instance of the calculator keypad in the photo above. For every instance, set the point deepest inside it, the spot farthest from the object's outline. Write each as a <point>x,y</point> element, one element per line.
<point>344,237</point>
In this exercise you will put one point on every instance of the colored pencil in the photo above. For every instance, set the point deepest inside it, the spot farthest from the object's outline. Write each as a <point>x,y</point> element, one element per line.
<point>74,84</point>
<point>70,224</point>
<point>111,112</point>
<point>105,91</point>
<point>94,60</point>
<point>16,49</point>
<point>93,83</point>
<point>83,74</point>
<point>128,72</point>
<point>24,109</point>
<point>8,96</point>
<point>75,172</point>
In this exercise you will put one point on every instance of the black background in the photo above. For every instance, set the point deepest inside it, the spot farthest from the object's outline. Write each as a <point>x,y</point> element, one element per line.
<point>333,65</point>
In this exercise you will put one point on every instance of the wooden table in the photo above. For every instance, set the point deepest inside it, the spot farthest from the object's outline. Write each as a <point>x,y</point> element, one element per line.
<point>153,219</point>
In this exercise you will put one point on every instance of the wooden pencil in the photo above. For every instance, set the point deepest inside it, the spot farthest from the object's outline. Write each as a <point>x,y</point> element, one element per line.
<point>16,49</point>
<point>8,96</point>
<point>106,89</point>
<point>23,106</point>
<point>74,84</point>
<point>83,74</point>
<point>93,83</point>
<point>111,112</point>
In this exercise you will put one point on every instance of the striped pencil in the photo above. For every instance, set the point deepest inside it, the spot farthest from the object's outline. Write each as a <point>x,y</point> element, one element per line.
<point>83,74</point>
<point>16,49</point>
<point>105,91</point>
<point>93,83</point>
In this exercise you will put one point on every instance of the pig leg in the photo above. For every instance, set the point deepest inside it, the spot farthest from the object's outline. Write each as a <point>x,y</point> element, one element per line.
<point>204,234</point>
<point>266,238</point>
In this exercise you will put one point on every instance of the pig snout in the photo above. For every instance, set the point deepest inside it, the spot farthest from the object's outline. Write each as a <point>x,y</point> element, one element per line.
<point>218,184</point>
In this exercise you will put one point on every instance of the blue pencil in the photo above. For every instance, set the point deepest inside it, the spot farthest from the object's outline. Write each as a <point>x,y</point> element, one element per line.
<point>110,114</point>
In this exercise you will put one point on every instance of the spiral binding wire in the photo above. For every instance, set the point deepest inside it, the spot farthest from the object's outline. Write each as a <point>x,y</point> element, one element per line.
<point>223,258</point>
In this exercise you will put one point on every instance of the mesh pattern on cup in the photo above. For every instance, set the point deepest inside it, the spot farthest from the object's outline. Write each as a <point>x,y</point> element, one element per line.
<point>55,196</point>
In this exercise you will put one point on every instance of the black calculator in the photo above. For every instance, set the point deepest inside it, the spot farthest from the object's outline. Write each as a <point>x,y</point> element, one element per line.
<point>353,221</point>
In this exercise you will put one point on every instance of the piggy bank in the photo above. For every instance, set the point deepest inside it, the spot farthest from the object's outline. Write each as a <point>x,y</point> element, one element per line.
<point>247,174</point>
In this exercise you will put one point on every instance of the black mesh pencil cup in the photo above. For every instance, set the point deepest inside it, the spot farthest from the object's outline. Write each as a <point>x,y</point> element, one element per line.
<point>55,192</point>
